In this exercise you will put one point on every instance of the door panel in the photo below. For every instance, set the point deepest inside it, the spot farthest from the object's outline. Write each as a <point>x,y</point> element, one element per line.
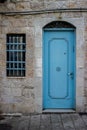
<point>58,69</point>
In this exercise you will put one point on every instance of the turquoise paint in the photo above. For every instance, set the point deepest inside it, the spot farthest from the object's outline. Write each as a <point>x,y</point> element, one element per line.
<point>58,62</point>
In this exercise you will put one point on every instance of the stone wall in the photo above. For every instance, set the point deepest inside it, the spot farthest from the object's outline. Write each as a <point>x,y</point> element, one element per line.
<point>85,51</point>
<point>17,93</point>
<point>24,95</point>
<point>22,5</point>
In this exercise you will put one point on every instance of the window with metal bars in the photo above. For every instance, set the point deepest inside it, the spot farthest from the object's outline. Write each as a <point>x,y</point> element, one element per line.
<point>2,1</point>
<point>16,49</point>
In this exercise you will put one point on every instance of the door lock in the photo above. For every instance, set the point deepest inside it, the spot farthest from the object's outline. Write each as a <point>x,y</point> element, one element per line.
<point>58,69</point>
<point>71,75</point>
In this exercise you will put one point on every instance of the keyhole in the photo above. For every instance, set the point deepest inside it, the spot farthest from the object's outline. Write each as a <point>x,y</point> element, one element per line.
<point>58,69</point>
<point>64,53</point>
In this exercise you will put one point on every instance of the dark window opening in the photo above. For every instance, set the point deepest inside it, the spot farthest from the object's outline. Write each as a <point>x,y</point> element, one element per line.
<point>2,1</point>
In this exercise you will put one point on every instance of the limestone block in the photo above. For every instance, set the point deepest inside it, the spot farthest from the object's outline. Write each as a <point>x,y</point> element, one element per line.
<point>72,4</point>
<point>29,53</point>
<point>16,22</point>
<point>38,105</point>
<point>38,101</point>
<point>29,43</point>
<point>10,99</point>
<point>38,36</point>
<point>29,82</point>
<point>57,4</point>
<point>20,6</point>
<point>16,108</point>
<point>12,91</point>
<point>36,5</point>
<point>30,73</point>
<point>81,4</point>
<point>30,31</point>
<point>26,108</point>
<point>80,104</point>
<point>27,92</point>
<point>38,42</point>
<point>37,82</point>
<point>38,94</point>
<point>80,91</point>
<point>11,6</point>
<point>38,63</point>
<point>38,52</point>
<point>6,108</point>
<point>38,72</point>
<point>85,92</point>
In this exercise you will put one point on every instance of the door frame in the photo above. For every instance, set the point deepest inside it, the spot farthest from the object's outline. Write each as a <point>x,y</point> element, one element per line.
<point>74,43</point>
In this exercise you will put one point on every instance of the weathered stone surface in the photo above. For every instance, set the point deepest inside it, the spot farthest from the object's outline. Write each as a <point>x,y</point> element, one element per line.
<point>26,94</point>
<point>21,5</point>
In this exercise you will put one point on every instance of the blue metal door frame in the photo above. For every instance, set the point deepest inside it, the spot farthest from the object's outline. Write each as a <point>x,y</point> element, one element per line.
<point>44,75</point>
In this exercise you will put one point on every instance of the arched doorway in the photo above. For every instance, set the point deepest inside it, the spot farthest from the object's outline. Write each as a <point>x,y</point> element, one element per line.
<point>59,65</point>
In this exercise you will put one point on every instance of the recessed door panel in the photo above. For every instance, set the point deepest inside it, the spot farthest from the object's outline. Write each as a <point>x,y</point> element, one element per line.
<point>58,68</point>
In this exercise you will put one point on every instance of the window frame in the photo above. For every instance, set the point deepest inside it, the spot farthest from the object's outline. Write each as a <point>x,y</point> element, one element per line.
<point>13,43</point>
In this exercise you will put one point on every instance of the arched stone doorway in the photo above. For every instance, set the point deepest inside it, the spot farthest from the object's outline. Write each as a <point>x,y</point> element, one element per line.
<point>78,26</point>
<point>59,66</point>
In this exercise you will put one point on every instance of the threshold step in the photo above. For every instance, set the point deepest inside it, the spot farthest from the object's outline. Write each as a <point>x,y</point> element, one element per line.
<point>58,111</point>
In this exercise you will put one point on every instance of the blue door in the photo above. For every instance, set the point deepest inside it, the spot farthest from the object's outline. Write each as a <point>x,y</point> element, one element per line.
<point>59,69</point>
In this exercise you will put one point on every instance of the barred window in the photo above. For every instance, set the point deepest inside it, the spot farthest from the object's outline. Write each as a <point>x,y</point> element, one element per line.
<point>16,49</point>
<point>2,1</point>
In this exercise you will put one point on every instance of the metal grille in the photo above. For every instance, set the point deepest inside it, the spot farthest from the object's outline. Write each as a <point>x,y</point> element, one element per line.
<point>16,48</point>
<point>59,24</point>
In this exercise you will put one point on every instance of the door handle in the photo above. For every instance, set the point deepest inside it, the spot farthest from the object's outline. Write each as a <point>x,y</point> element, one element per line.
<point>71,75</point>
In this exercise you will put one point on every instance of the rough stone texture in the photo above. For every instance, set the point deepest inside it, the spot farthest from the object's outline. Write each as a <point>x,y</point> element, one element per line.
<point>45,121</point>
<point>24,95</point>
<point>21,5</point>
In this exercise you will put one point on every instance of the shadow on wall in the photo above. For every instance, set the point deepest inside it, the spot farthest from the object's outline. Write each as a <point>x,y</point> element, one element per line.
<point>1,116</point>
<point>5,127</point>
